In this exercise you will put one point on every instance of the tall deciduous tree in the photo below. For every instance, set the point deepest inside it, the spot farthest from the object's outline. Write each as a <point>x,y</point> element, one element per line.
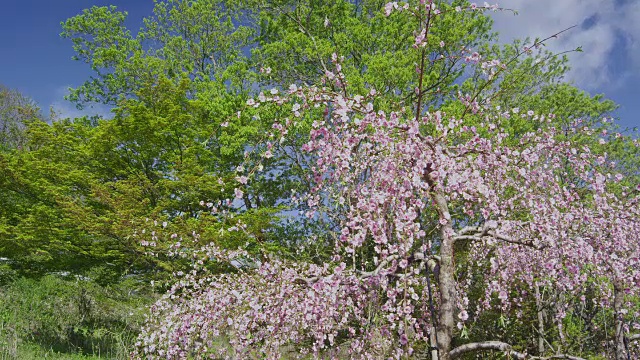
<point>200,40</point>
<point>16,110</point>
<point>417,188</point>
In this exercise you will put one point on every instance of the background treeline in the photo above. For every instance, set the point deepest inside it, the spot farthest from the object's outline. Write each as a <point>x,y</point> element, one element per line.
<point>74,192</point>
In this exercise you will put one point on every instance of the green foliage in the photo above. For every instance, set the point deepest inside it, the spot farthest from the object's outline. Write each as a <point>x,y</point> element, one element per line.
<point>56,314</point>
<point>75,194</point>
<point>36,183</point>
<point>79,190</point>
<point>377,50</point>
<point>16,110</point>
<point>195,39</point>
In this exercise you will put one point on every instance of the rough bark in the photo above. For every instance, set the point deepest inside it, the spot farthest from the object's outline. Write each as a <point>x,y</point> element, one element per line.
<point>559,322</point>
<point>540,320</point>
<point>446,280</point>
<point>505,348</point>
<point>433,344</point>
<point>482,346</point>
<point>618,300</point>
<point>447,300</point>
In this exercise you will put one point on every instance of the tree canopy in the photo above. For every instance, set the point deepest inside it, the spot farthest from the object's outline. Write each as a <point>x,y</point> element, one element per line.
<point>347,179</point>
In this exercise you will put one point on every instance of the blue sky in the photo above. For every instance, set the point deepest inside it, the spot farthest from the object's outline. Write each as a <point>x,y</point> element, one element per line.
<point>608,32</point>
<point>37,62</point>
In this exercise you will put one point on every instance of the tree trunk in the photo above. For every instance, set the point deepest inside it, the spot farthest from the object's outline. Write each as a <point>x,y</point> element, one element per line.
<point>446,280</point>
<point>433,344</point>
<point>559,321</point>
<point>618,300</point>
<point>447,299</point>
<point>540,320</point>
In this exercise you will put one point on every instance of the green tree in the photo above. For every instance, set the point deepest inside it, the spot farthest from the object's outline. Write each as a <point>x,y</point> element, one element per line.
<point>195,39</point>
<point>16,110</point>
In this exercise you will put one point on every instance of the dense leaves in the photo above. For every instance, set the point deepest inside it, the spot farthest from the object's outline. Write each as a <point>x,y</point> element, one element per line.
<point>346,179</point>
<point>520,196</point>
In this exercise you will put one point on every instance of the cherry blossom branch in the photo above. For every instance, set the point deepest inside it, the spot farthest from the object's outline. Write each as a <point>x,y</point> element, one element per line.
<point>479,231</point>
<point>422,56</point>
<point>377,270</point>
<point>506,65</point>
<point>511,240</point>
<point>436,85</point>
<point>431,261</point>
<point>308,281</point>
<point>474,233</point>
<point>363,274</point>
<point>634,337</point>
<point>505,348</point>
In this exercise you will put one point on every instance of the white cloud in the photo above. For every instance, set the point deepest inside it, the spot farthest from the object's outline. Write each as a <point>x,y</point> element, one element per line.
<point>601,24</point>
<point>631,20</point>
<point>65,109</point>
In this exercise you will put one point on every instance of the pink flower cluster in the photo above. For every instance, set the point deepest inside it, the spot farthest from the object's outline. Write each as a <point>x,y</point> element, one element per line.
<point>407,188</point>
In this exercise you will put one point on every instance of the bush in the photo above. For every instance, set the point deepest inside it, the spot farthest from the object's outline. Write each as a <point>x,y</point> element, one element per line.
<point>70,315</point>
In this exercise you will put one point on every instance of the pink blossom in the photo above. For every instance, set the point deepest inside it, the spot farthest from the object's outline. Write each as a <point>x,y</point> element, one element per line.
<point>238,193</point>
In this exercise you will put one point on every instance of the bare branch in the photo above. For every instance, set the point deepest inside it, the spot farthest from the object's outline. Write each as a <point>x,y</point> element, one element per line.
<point>430,261</point>
<point>376,271</point>
<point>514,241</point>
<point>505,348</point>
<point>363,274</point>
<point>309,281</point>
<point>474,233</point>
<point>508,63</point>
<point>469,229</point>
<point>485,346</point>
<point>468,237</point>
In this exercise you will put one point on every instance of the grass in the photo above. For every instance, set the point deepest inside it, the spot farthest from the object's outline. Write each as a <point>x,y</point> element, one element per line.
<point>30,351</point>
<point>58,318</point>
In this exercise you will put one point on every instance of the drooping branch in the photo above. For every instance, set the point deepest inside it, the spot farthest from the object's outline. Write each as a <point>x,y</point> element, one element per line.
<point>477,230</point>
<point>377,270</point>
<point>511,240</point>
<point>507,64</point>
<point>558,356</point>
<point>483,346</point>
<point>430,261</point>
<point>505,348</point>
<point>475,233</point>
